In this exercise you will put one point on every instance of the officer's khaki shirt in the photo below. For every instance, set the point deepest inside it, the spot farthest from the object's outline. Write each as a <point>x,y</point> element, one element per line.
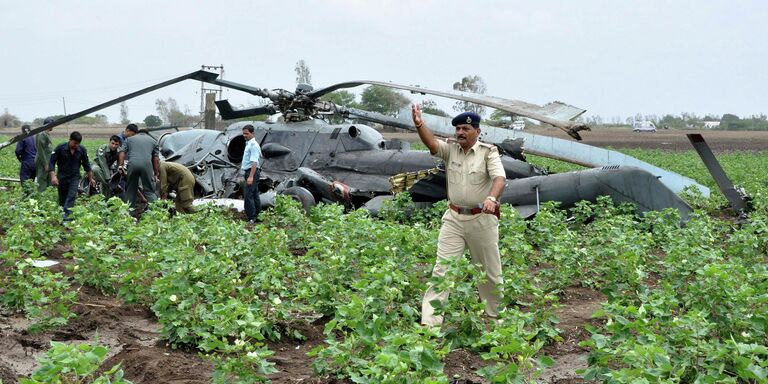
<point>470,176</point>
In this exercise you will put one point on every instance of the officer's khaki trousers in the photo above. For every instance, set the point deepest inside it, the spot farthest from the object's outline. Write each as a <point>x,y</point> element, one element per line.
<point>480,233</point>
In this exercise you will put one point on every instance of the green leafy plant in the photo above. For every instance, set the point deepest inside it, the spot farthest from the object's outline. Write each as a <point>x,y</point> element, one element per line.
<point>75,364</point>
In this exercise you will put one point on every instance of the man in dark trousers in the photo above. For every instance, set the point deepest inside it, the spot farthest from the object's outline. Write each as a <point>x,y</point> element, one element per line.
<point>251,167</point>
<point>69,156</point>
<point>43,156</point>
<point>25,152</point>
<point>144,165</point>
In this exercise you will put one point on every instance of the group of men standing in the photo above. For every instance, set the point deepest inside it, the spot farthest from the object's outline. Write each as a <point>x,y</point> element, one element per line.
<point>134,156</point>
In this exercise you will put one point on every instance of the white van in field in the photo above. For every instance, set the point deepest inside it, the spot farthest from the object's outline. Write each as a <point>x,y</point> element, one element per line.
<point>643,126</point>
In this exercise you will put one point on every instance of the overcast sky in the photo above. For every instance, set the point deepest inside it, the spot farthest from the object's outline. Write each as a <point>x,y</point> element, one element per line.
<point>613,58</point>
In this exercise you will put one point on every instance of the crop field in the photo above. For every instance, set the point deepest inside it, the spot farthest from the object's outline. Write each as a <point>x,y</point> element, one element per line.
<point>598,294</point>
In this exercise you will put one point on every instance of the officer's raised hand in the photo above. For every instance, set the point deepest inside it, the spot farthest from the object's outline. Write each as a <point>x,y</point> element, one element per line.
<point>416,115</point>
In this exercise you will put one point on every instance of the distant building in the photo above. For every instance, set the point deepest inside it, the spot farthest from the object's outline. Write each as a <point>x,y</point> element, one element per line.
<point>711,124</point>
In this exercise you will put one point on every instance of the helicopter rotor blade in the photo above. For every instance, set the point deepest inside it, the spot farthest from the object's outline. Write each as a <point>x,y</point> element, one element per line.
<point>261,92</point>
<point>557,114</point>
<point>228,113</point>
<point>197,75</point>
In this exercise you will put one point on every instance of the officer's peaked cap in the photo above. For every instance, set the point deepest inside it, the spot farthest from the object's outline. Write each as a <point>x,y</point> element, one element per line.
<point>466,118</point>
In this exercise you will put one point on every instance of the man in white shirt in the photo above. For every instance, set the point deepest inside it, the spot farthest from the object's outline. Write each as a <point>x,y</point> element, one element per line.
<point>251,167</point>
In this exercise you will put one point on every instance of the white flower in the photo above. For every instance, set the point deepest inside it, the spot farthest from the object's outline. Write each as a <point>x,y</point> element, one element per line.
<point>252,355</point>
<point>309,279</point>
<point>239,342</point>
<point>197,270</point>
<point>173,298</point>
<point>179,270</point>
<point>277,301</point>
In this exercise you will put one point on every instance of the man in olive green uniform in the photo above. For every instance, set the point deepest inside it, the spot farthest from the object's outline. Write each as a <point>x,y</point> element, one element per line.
<point>476,179</point>
<point>144,167</point>
<point>106,157</point>
<point>43,156</point>
<point>178,177</point>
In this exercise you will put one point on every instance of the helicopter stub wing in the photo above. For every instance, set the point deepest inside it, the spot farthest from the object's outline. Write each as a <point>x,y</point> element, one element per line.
<point>555,113</point>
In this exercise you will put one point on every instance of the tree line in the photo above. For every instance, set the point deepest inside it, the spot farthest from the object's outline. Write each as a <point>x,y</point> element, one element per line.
<point>686,120</point>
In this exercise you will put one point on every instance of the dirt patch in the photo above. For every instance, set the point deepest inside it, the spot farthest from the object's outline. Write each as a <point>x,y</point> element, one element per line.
<point>291,354</point>
<point>130,333</point>
<point>461,365</point>
<point>578,305</point>
<point>161,365</point>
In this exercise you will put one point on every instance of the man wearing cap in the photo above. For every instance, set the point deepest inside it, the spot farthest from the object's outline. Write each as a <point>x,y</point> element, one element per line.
<point>25,152</point>
<point>144,167</point>
<point>43,156</point>
<point>475,180</point>
<point>69,156</point>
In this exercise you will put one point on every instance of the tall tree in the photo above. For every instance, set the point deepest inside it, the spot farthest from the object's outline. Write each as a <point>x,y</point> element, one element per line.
<point>474,84</point>
<point>153,121</point>
<point>8,120</point>
<point>383,100</point>
<point>302,73</point>
<point>161,106</point>
<point>169,111</point>
<point>342,97</point>
<point>430,106</point>
<point>124,113</point>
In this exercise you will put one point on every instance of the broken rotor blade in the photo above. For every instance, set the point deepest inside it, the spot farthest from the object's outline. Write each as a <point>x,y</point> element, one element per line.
<point>556,113</point>
<point>228,113</point>
<point>197,75</point>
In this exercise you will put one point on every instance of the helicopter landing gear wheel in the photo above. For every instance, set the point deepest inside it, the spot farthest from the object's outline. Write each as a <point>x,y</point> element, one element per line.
<point>303,196</point>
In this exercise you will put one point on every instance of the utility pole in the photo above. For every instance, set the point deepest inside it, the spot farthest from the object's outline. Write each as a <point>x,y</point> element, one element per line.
<point>208,96</point>
<point>64,103</point>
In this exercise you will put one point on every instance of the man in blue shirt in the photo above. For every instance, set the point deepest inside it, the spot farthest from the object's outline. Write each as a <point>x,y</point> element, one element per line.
<point>69,156</point>
<point>25,152</point>
<point>251,168</point>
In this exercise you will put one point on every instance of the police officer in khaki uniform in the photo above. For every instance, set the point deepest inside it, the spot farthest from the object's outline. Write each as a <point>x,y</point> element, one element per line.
<point>476,179</point>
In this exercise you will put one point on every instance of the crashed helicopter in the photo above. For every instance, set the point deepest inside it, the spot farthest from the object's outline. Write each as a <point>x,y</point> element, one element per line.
<point>352,164</point>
